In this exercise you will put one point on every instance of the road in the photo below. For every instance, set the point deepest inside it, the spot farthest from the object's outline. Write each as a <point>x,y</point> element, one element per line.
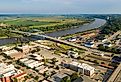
<point>49,55</point>
<point>114,35</point>
<point>116,76</point>
<point>53,39</point>
<point>63,42</point>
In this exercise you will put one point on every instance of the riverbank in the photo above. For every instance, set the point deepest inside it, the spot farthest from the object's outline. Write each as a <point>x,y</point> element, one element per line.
<point>96,24</point>
<point>44,24</point>
<point>96,30</point>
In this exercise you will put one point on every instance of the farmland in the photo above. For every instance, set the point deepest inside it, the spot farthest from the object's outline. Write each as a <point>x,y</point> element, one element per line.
<point>45,24</point>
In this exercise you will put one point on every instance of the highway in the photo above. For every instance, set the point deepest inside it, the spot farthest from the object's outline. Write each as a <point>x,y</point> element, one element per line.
<point>62,41</point>
<point>52,39</point>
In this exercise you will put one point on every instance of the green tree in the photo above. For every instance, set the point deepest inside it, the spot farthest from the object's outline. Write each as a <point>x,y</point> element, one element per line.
<point>66,79</point>
<point>74,76</point>
<point>14,80</point>
<point>36,78</point>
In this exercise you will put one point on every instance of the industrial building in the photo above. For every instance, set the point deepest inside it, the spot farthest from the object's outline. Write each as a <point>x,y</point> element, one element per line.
<point>82,68</point>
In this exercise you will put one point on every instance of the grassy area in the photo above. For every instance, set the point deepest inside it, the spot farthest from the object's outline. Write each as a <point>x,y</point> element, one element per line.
<point>39,22</point>
<point>45,24</point>
<point>64,47</point>
<point>12,44</point>
<point>25,22</point>
<point>7,34</point>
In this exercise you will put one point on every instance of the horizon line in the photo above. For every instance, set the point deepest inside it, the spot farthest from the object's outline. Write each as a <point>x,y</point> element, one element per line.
<point>58,14</point>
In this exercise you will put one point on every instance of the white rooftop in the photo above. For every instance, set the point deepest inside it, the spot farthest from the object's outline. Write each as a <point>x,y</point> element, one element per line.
<point>82,65</point>
<point>8,70</point>
<point>74,63</point>
<point>87,67</point>
<point>11,52</point>
<point>23,60</point>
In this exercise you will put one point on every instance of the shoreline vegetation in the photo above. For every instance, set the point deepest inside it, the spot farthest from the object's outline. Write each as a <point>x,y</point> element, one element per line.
<point>44,24</point>
<point>112,25</point>
<point>79,33</point>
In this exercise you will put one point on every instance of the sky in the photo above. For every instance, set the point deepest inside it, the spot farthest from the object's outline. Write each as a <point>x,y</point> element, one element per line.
<point>60,6</point>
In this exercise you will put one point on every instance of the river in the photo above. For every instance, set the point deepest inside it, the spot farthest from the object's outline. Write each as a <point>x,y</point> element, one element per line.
<point>95,24</point>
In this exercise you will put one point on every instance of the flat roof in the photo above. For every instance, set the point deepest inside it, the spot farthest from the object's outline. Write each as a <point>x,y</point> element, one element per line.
<point>87,67</point>
<point>11,52</point>
<point>23,60</point>
<point>29,61</point>
<point>74,63</point>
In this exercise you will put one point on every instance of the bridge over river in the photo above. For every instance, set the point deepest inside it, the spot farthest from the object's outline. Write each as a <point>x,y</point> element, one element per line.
<point>95,24</point>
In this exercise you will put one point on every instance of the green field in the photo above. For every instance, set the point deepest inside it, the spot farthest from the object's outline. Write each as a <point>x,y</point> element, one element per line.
<point>45,24</point>
<point>25,22</point>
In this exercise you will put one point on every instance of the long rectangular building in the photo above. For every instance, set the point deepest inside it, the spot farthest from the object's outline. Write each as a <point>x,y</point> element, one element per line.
<point>83,68</point>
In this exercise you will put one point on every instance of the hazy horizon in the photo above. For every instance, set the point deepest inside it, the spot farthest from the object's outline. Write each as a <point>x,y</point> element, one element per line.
<point>60,7</point>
